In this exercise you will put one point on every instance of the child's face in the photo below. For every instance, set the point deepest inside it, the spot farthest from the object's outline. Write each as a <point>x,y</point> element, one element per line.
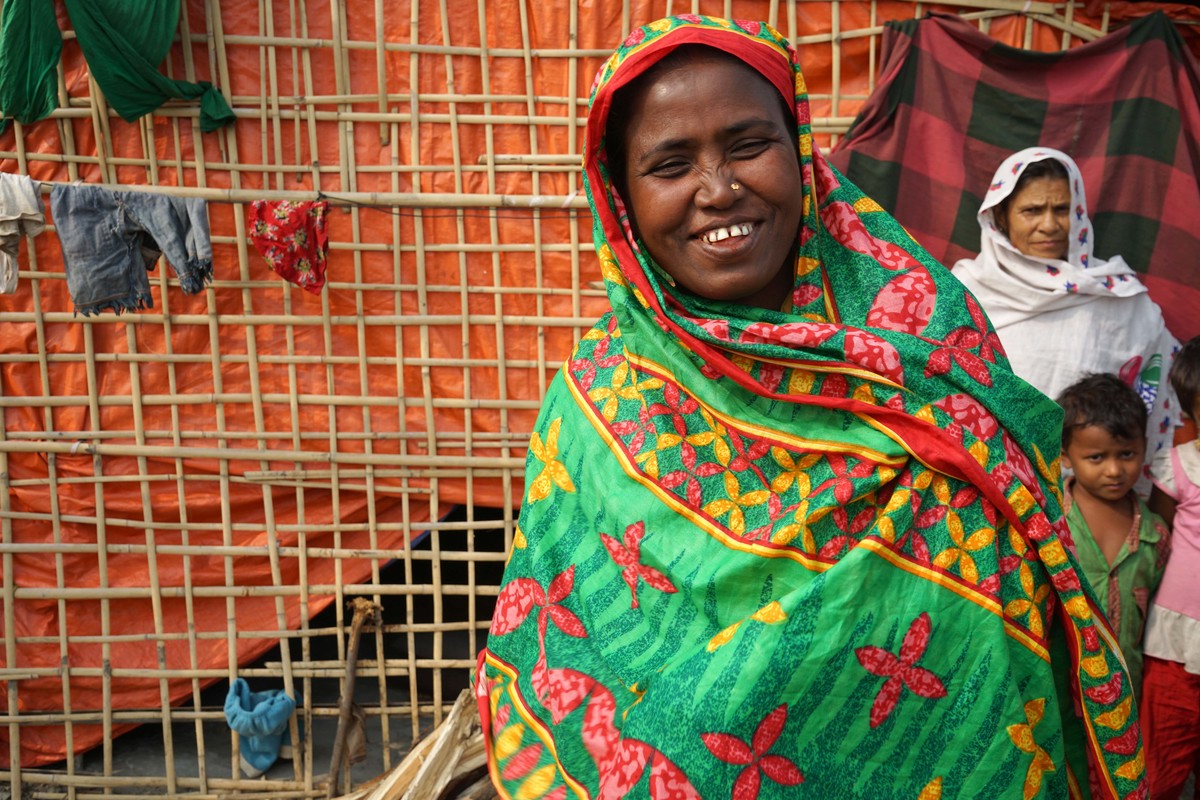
<point>1106,467</point>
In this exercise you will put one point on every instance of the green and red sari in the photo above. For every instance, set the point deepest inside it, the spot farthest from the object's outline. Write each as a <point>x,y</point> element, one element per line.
<point>813,553</point>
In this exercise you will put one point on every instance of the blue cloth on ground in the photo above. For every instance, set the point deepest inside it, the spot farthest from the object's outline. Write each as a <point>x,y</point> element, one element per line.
<point>111,239</point>
<point>261,720</point>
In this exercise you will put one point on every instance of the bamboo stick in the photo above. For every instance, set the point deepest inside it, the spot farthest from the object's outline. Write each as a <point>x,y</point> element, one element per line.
<point>408,199</point>
<point>155,587</point>
<point>12,687</point>
<point>65,127</point>
<point>364,611</point>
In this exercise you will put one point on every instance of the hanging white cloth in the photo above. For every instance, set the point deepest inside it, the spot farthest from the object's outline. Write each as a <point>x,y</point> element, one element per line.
<point>21,214</point>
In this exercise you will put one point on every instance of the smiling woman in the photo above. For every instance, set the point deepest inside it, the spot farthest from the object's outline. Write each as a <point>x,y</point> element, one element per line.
<point>790,517</point>
<point>714,187</point>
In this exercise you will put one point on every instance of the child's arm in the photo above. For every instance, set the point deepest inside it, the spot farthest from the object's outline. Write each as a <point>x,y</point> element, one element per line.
<point>1162,504</point>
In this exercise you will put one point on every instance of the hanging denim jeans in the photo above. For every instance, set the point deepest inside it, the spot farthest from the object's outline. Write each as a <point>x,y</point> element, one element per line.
<point>111,239</point>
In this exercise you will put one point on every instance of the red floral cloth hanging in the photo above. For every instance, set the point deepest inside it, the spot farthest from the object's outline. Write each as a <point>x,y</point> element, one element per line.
<point>292,237</point>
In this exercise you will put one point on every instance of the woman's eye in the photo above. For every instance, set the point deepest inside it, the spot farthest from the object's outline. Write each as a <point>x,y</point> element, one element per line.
<point>668,169</point>
<point>751,148</point>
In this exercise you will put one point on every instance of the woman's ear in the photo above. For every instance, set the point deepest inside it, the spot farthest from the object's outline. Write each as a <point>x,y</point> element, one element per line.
<point>1001,219</point>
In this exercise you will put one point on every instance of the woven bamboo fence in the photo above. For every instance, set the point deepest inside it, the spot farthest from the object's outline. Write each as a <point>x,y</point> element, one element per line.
<point>195,492</point>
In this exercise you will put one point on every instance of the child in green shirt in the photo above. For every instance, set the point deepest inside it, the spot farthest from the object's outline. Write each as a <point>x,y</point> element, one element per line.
<point>1120,543</point>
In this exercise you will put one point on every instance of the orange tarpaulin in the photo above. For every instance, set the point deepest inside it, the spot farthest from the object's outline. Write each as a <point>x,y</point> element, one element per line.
<point>187,482</point>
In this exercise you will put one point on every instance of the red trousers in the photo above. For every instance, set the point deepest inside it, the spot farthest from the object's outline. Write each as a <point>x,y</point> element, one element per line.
<point>1170,715</point>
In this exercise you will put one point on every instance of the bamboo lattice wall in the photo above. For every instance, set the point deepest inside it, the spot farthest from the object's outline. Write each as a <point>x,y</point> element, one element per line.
<point>189,485</point>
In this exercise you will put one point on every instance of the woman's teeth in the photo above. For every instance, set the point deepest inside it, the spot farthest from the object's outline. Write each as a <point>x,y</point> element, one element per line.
<point>717,234</point>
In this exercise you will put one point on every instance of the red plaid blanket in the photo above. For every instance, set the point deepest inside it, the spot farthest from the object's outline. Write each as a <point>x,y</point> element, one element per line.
<point>952,103</point>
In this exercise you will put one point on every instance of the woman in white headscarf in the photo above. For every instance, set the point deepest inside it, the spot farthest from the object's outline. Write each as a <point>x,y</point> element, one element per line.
<point>1060,312</point>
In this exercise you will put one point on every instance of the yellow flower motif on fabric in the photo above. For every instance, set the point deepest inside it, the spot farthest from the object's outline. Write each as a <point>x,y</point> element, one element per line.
<point>925,414</point>
<point>961,553</point>
<point>648,461</point>
<point>519,543</point>
<point>805,265</point>
<point>884,524</point>
<point>979,451</point>
<point>809,544</point>
<point>898,500</point>
<point>1133,769</point>
<point>1016,541</point>
<point>1021,500</point>
<point>715,435</point>
<point>864,394</point>
<point>801,86</point>
<point>1077,607</point>
<point>788,532</point>
<point>806,147</point>
<point>553,472</point>
<point>621,388</point>
<point>1050,471</point>
<point>537,784</point>
<point>793,471</point>
<point>1031,602</point>
<point>1053,553</point>
<point>646,384</point>
<point>1117,718</point>
<point>801,382</point>
<point>659,26</point>
<point>609,267</point>
<point>744,363</point>
<point>509,740</point>
<point>932,790</point>
<point>886,529</point>
<point>1095,666</point>
<point>865,205</point>
<point>1022,737</point>
<point>736,502</point>
<point>770,614</point>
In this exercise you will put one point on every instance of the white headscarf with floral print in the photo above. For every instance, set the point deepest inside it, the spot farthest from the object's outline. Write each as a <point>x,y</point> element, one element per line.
<point>1011,285</point>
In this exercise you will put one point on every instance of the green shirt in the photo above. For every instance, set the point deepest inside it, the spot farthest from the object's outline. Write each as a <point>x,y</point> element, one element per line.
<point>1124,588</point>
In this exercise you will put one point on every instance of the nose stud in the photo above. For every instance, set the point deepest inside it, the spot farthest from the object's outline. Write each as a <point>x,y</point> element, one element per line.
<point>735,186</point>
